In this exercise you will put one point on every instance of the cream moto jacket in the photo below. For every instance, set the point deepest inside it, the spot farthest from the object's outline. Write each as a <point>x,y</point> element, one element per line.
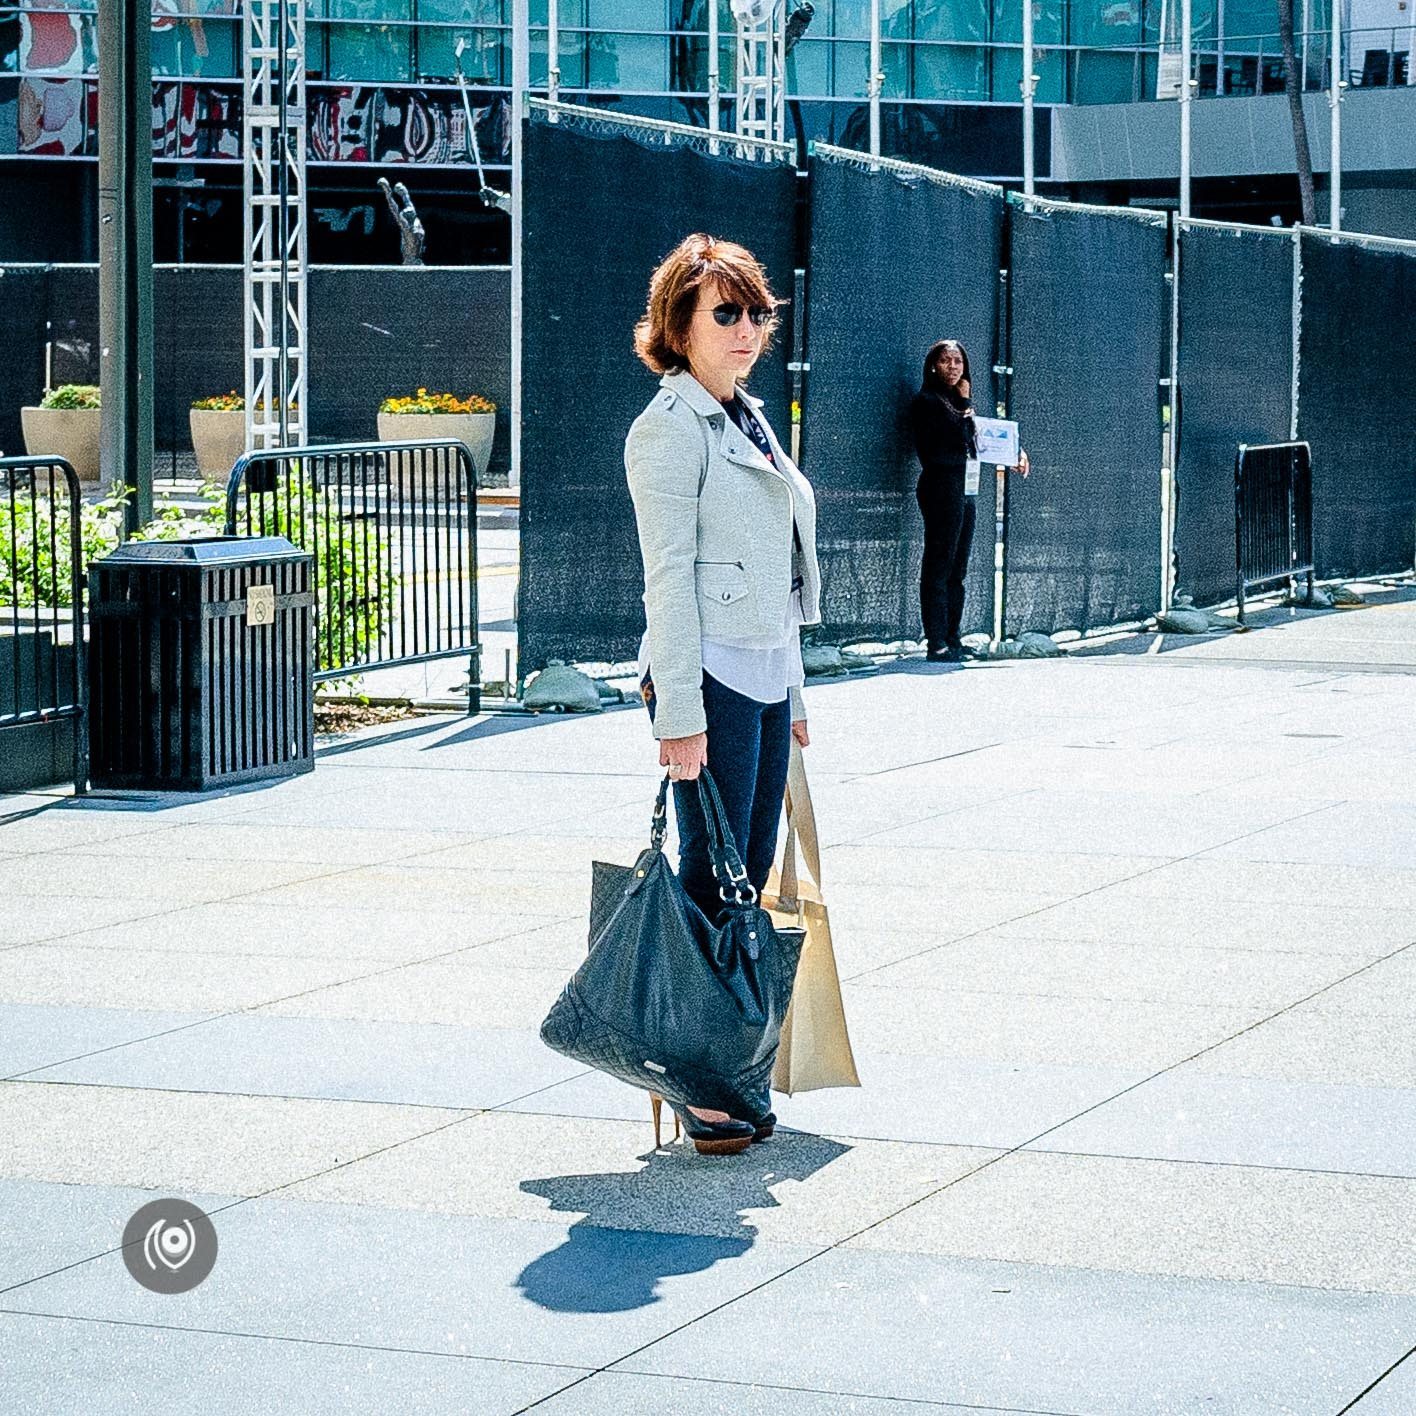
<point>715,525</point>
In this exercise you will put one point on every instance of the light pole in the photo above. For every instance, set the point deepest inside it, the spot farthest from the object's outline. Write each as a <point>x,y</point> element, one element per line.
<point>1335,104</point>
<point>1187,94</point>
<point>1029,88</point>
<point>125,253</point>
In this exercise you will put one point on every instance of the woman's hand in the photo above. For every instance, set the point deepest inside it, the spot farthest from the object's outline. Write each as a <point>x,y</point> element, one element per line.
<point>1024,466</point>
<point>799,732</point>
<point>965,388</point>
<point>685,757</point>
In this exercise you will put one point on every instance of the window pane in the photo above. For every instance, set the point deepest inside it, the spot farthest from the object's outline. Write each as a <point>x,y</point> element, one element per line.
<point>197,47</point>
<point>482,59</point>
<point>950,71</point>
<point>628,15</point>
<point>1047,22</point>
<point>372,53</point>
<point>812,60</point>
<point>1008,73</point>
<point>1104,78</point>
<point>951,19</point>
<point>620,61</point>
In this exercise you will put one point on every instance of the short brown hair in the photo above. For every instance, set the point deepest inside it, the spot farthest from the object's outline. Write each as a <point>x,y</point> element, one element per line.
<point>661,336</point>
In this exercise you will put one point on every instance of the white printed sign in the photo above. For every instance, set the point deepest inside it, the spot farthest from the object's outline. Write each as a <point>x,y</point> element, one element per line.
<point>997,440</point>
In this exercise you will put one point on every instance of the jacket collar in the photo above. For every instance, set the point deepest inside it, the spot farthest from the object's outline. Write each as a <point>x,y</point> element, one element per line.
<point>732,444</point>
<point>698,398</point>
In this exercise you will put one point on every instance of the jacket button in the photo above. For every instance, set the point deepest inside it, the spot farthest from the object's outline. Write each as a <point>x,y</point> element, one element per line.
<point>727,595</point>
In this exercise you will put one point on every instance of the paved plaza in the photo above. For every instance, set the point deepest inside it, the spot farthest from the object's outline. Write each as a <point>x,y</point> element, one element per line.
<point>1127,942</point>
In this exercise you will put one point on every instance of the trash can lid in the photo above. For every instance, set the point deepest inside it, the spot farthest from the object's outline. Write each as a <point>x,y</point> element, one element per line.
<point>205,550</point>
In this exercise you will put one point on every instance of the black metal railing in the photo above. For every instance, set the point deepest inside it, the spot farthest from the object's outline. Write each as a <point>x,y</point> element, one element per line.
<point>43,675</point>
<point>393,530</point>
<point>1273,516</point>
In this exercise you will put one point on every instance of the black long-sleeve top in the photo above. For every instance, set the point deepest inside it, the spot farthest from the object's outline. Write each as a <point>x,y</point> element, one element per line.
<point>943,431</point>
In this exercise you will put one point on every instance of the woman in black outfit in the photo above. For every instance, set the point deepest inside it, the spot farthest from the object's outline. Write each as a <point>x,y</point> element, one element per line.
<point>941,419</point>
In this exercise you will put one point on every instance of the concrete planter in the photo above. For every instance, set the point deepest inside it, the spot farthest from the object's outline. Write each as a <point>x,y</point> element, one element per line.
<point>70,433</point>
<point>218,439</point>
<point>475,430</point>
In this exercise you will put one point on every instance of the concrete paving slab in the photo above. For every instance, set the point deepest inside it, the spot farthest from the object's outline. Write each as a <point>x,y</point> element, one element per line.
<point>1122,914</point>
<point>424,1064</point>
<point>1192,1115</point>
<point>66,1365</point>
<point>559,947</point>
<point>1157,1217</point>
<point>460,993</point>
<point>878,911</point>
<point>1147,971</point>
<point>932,1100</point>
<point>34,1036</point>
<point>1215,877</point>
<point>1394,1395</point>
<point>793,1189</point>
<point>625,1394</point>
<point>57,1225</point>
<point>330,847</point>
<point>1306,1044</point>
<point>248,927</point>
<point>1028,1030</point>
<point>1378,834</point>
<point>67,973</point>
<point>1015,1336</point>
<point>1386,990</point>
<point>177,1141</point>
<point>1083,821</point>
<point>166,878</point>
<point>27,919</point>
<point>571,1294</point>
<point>961,869</point>
<point>416,886</point>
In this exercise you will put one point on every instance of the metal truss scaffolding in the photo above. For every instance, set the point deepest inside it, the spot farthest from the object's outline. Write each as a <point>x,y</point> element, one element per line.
<point>761,66</point>
<point>273,34</point>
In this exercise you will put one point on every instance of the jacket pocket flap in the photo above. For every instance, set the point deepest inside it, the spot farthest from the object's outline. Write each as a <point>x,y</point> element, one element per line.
<point>722,581</point>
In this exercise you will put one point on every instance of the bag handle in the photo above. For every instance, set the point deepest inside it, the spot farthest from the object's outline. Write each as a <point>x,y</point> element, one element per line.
<point>733,885</point>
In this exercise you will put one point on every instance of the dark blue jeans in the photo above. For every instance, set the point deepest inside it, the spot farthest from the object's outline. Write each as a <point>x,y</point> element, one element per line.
<point>749,747</point>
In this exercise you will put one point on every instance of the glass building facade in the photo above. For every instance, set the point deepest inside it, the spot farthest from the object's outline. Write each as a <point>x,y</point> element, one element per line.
<point>381,88</point>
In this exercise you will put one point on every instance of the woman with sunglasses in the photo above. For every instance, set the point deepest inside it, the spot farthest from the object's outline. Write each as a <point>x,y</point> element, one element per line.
<point>727,530</point>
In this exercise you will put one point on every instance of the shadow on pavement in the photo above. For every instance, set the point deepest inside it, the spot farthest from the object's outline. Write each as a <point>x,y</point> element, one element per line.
<point>614,1259</point>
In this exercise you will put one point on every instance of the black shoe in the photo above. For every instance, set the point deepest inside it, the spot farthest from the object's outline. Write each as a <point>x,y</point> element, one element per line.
<point>715,1137</point>
<point>764,1126</point>
<point>954,654</point>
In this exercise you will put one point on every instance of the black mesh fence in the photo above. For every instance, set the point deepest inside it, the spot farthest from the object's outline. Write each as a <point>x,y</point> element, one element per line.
<point>372,332</point>
<point>1236,386</point>
<point>1356,406</point>
<point>1088,333</point>
<point>898,260</point>
<point>601,210</point>
<point>25,293</point>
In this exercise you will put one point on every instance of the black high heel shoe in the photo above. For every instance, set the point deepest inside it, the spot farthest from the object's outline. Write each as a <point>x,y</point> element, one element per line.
<point>764,1126</point>
<point>709,1137</point>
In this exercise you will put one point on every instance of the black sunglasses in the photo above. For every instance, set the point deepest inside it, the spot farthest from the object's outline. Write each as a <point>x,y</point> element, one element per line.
<point>728,314</point>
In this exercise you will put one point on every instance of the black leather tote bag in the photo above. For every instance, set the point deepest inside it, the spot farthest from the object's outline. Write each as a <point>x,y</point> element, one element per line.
<point>668,1000</point>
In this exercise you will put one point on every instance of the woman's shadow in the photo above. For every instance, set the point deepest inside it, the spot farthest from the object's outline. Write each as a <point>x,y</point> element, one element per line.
<point>681,1213</point>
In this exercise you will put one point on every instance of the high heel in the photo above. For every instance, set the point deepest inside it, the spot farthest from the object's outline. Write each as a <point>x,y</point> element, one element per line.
<point>713,1137</point>
<point>656,1105</point>
<point>764,1126</point>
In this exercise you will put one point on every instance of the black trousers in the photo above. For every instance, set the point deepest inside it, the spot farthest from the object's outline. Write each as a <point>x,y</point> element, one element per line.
<point>948,535</point>
<point>749,751</point>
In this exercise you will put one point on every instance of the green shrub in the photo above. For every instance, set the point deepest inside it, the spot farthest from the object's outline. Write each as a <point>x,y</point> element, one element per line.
<point>71,396</point>
<point>354,604</point>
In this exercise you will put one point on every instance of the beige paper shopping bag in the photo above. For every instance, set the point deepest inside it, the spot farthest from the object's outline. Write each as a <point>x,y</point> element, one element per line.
<point>815,1051</point>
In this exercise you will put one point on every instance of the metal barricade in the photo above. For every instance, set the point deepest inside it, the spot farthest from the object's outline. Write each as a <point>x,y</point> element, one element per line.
<point>393,530</point>
<point>43,675</point>
<point>1273,516</point>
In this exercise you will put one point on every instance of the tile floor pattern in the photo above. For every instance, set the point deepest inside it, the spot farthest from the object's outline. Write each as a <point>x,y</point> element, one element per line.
<point>1129,948</point>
